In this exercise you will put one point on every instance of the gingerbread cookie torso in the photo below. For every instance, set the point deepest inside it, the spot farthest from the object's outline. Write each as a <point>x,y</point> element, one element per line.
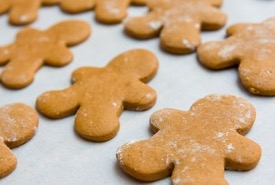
<point>99,95</point>
<point>195,146</point>
<point>18,124</point>
<point>251,47</point>
<point>33,48</point>
<point>177,22</point>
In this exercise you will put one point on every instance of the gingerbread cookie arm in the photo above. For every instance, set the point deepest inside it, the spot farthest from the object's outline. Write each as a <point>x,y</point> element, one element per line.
<point>236,28</point>
<point>98,120</point>
<point>4,6</point>
<point>144,161</point>
<point>70,32</point>
<point>7,160</point>
<point>58,104</point>
<point>144,27</point>
<point>260,78</point>
<point>83,73</point>
<point>24,13</point>
<point>219,55</point>
<point>139,96</point>
<point>111,11</point>
<point>181,37</point>
<point>5,54</point>
<point>18,74</point>
<point>241,153</point>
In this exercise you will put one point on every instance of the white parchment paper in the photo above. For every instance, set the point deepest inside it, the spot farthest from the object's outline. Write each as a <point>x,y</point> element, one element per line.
<point>57,155</point>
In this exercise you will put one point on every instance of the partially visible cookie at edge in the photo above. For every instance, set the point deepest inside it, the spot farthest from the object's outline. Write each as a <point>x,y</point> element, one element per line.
<point>251,48</point>
<point>18,124</point>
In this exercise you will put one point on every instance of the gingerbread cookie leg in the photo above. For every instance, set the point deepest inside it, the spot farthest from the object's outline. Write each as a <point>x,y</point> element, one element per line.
<point>111,11</point>
<point>18,74</point>
<point>99,125</point>
<point>214,20</point>
<point>144,27</point>
<point>144,99</point>
<point>188,173</point>
<point>60,56</point>
<point>24,13</point>
<point>5,54</point>
<point>182,37</point>
<point>239,159</point>
<point>258,78</point>
<point>58,104</point>
<point>7,160</point>
<point>143,162</point>
<point>219,55</point>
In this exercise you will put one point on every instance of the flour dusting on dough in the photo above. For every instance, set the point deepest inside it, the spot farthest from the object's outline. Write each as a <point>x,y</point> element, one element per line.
<point>155,25</point>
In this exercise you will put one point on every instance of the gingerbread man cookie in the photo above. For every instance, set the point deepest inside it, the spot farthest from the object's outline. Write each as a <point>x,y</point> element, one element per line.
<point>20,11</point>
<point>195,146</point>
<point>18,123</point>
<point>177,22</point>
<point>99,95</point>
<point>33,48</point>
<point>252,48</point>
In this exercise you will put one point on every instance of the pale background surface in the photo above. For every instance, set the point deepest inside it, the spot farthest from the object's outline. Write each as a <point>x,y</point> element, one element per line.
<point>56,155</point>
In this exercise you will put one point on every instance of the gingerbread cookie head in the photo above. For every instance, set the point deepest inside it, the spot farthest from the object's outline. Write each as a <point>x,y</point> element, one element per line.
<point>99,95</point>
<point>195,146</point>
<point>21,12</point>
<point>252,48</point>
<point>18,123</point>
<point>177,22</point>
<point>33,48</point>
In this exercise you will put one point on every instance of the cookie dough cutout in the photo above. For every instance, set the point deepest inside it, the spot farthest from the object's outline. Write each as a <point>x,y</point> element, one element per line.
<point>20,12</point>
<point>251,47</point>
<point>195,147</point>
<point>99,95</point>
<point>177,22</point>
<point>18,124</point>
<point>34,48</point>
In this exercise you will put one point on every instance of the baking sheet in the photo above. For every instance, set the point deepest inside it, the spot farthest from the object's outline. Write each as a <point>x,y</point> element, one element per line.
<point>57,155</point>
